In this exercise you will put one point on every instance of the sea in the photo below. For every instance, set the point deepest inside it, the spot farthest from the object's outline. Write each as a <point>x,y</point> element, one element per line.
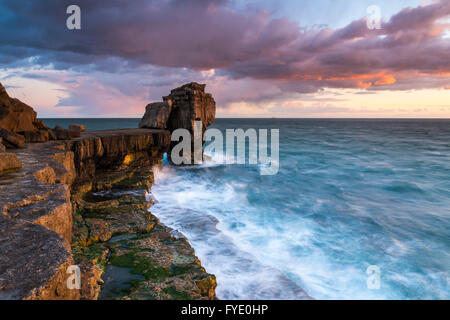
<point>359,209</point>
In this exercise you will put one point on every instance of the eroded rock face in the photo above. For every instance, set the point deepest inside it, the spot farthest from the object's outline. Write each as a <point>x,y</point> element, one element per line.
<point>11,139</point>
<point>36,136</point>
<point>156,115</point>
<point>23,247</point>
<point>16,116</point>
<point>18,124</point>
<point>37,208</point>
<point>190,103</point>
<point>114,232</point>
<point>180,110</point>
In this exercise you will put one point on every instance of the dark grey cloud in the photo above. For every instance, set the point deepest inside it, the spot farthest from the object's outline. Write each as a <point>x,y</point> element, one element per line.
<point>121,36</point>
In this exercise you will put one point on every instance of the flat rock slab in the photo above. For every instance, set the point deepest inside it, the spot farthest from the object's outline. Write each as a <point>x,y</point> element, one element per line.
<point>36,209</point>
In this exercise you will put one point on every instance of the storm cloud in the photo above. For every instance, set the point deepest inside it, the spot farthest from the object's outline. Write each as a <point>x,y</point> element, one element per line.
<point>410,51</point>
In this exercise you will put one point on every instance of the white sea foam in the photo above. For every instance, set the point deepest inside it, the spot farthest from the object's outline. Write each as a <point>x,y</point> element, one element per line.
<point>253,255</point>
<point>188,207</point>
<point>320,223</point>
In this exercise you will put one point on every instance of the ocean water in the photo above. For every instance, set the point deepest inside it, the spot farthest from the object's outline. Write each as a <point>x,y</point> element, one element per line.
<point>349,194</point>
<point>93,124</point>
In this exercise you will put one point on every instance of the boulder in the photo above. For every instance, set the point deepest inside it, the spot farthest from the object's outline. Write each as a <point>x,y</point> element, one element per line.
<point>156,115</point>
<point>36,136</point>
<point>2,146</point>
<point>16,116</point>
<point>77,127</point>
<point>11,139</point>
<point>9,163</point>
<point>64,134</point>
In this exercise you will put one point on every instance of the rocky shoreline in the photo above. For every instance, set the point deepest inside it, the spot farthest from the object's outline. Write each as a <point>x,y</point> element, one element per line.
<point>81,199</point>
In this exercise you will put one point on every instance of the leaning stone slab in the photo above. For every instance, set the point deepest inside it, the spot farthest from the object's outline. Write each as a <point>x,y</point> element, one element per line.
<point>156,115</point>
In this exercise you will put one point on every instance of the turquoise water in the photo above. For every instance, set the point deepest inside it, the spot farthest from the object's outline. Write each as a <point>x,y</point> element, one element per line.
<point>349,194</point>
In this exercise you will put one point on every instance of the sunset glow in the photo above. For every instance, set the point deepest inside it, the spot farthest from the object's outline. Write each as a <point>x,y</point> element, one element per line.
<point>292,61</point>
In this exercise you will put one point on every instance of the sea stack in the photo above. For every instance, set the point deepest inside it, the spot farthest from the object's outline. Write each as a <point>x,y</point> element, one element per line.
<point>180,109</point>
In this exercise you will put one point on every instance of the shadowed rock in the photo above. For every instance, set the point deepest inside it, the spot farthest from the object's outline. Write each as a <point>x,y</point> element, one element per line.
<point>64,134</point>
<point>180,110</point>
<point>77,127</point>
<point>156,115</point>
<point>36,136</point>
<point>16,116</point>
<point>11,139</point>
<point>190,103</point>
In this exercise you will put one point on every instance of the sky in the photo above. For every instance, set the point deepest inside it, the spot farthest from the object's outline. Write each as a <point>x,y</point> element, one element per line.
<point>259,58</point>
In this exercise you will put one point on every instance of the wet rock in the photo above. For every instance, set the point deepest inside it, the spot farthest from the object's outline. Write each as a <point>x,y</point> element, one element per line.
<point>77,128</point>
<point>9,163</point>
<point>146,261</point>
<point>156,115</point>
<point>11,139</point>
<point>92,268</point>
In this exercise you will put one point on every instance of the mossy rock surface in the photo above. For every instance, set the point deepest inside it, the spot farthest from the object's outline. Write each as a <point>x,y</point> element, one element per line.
<point>142,259</point>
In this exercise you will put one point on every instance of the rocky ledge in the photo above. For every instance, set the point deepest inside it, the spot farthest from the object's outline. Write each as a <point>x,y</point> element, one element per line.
<point>84,201</point>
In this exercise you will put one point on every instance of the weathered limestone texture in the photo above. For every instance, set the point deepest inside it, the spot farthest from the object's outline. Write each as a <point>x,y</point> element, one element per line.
<point>180,110</point>
<point>156,115</point>
<point>68,202</point>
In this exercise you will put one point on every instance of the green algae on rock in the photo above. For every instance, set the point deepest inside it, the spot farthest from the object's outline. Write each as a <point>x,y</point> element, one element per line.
<point>144,260</point>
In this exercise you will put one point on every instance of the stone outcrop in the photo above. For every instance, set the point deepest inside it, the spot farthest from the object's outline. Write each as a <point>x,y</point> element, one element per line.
<point>156,115</point>
<point>181,109</point>
<point>79,198</point>
<point>18,124</point>
<point>190,103</point>
<point>11,139</point>
<point>16,116</point>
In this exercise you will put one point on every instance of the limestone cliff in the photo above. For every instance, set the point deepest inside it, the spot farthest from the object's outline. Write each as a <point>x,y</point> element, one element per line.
<point>67,203</point>
<point>80,199</point>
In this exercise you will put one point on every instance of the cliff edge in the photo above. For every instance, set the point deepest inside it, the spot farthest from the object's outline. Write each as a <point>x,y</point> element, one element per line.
<point>81,200</point>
